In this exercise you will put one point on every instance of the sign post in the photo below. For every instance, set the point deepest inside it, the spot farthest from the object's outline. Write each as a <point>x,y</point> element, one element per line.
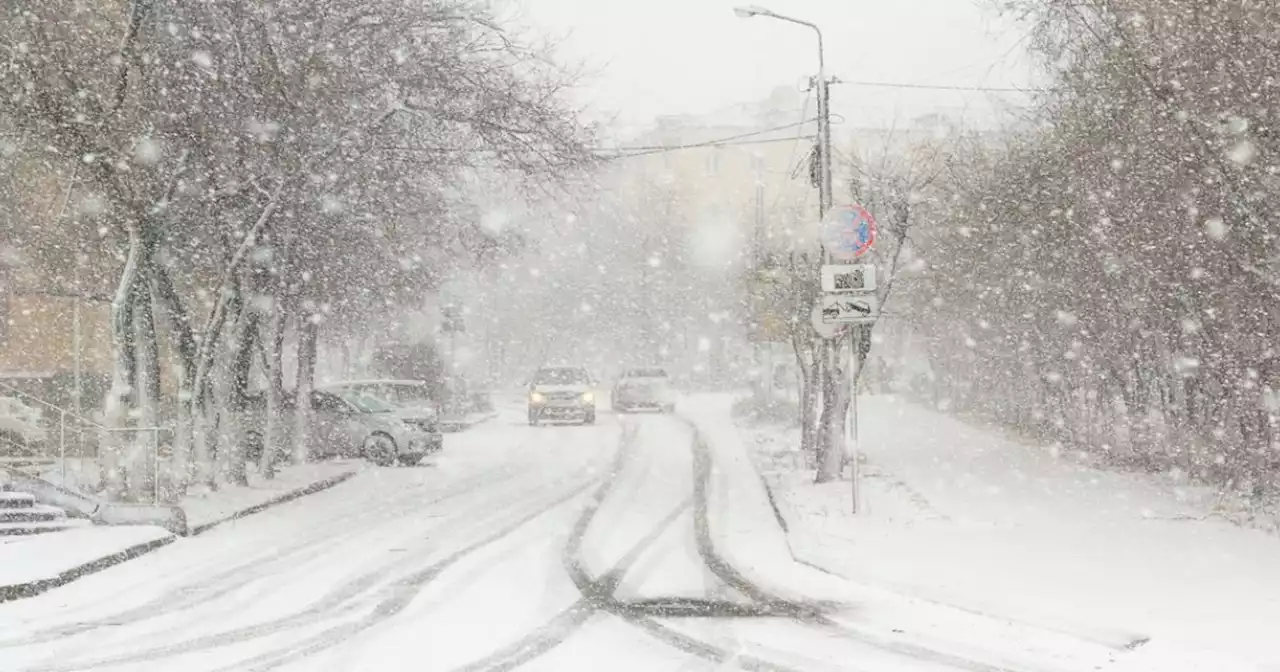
<point>850,298</point>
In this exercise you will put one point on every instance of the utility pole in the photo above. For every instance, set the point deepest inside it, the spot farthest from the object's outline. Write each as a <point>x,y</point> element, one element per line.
<point>825,196</point>
<point>856,333</point>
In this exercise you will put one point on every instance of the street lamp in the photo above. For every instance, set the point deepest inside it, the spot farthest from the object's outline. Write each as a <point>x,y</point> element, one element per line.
<point>824,111</point>
<point>825,198</point>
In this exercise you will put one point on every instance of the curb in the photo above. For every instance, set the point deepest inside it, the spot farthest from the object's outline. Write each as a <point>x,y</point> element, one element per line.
<point>318,486</point>
<point>23,590</point>
<point>33,588</point>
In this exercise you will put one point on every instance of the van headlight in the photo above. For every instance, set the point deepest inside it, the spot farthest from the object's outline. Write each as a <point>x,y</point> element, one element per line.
<point>536,398</point>
<point>588,397</point>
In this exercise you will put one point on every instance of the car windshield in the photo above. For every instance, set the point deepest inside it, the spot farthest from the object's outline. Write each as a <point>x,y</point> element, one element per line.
<point>367,403</point>
<point>398,394</point>
<point>560,376</point>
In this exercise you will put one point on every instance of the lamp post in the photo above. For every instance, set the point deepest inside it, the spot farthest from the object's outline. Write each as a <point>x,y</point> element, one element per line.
<point>825,198</point>
<point>824,110</point>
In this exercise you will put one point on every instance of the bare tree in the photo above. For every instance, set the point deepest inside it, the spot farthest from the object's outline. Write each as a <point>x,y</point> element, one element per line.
<point>1105,276</point>
<point>258,124</point>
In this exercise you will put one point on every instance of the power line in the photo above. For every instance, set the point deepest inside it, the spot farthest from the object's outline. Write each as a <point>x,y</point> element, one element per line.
<point>939,87</point>
<point>662,149</point>
<point>792,169</point>
<point>717,141</point>
<point>638,150</point>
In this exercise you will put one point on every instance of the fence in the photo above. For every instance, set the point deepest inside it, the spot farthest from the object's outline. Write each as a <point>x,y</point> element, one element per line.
<point>72,450</point>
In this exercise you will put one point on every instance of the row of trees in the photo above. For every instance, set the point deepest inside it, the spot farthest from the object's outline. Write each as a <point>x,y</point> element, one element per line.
<point>1106,275</point>
<point>255,171</point>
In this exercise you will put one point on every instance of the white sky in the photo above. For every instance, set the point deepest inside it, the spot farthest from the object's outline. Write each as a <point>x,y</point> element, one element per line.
<point>651,57</point>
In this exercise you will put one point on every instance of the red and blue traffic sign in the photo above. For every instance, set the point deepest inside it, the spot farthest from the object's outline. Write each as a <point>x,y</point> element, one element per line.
<point>848,231</point>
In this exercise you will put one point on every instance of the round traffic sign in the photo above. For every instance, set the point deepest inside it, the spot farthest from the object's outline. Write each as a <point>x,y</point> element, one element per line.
<point>848,231</point>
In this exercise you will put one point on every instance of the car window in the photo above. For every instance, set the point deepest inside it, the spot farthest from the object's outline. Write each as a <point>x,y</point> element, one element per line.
<point>367,402</point>
<point>392,394</point>
<point>405,394</point>
<point>328,403</point>
<point>560,376</point>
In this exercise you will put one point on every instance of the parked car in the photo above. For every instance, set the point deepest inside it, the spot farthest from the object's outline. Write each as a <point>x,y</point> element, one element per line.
<point>411,400</point>
<point>561,393</point>
<point>643,389</point>
<point>408,396</point>
<point>346,423</point>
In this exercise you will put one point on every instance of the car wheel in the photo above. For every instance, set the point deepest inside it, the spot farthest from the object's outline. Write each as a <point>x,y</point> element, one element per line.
<point>533,419</point>
<point>590,419</point>
<point>380,449</point>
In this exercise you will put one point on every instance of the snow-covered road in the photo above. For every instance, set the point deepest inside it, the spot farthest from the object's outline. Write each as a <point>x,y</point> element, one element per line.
<point>552,548</point>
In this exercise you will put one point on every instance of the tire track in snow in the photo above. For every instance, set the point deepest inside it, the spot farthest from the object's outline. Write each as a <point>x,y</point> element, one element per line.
<point>407,588</point>
<point>597,594</point>
<point>334,532</point>
<point>338,601</point>
<point>402,591</point>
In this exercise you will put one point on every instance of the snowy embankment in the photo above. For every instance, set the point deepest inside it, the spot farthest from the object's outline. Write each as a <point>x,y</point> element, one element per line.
<point>963,515</point>
<point>895,613</point>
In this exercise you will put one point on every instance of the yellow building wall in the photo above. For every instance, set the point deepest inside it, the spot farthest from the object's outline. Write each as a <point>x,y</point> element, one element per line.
<point>39,337</point>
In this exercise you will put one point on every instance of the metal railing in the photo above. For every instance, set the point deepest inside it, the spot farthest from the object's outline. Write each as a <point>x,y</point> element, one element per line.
<point>92,425</point>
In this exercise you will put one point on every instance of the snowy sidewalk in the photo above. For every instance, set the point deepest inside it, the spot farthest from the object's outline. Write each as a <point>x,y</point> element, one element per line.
<point>206,509</point>
<point>30,565</point>
<point>964,515</point>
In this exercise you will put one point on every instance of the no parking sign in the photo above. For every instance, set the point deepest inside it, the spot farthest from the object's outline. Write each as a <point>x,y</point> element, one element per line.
<point>848,231</point>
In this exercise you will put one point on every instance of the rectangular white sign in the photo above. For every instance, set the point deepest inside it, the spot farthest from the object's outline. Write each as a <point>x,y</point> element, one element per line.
<point>850,308</point>
<point>849,278</point>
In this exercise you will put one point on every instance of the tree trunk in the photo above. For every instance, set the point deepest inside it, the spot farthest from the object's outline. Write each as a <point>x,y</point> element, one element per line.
<point>119,399</point>
<point>235,394</point>
<point>308,336</point>
<point>810,369</point>
<point>273,440</point>
<point>142,455</point>
<point>184,463</point>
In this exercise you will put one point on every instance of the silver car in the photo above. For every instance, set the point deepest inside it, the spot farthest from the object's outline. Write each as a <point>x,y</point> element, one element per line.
<point>562,394</point>
<point>347,424</point>
<point>351,423</point>
<point>643,389</point>
<point>414,401</point>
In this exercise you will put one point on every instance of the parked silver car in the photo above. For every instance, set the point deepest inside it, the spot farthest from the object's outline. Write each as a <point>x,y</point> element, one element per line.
<point>370,427</point>
<point>345,423</point>
<point>412,401</point>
